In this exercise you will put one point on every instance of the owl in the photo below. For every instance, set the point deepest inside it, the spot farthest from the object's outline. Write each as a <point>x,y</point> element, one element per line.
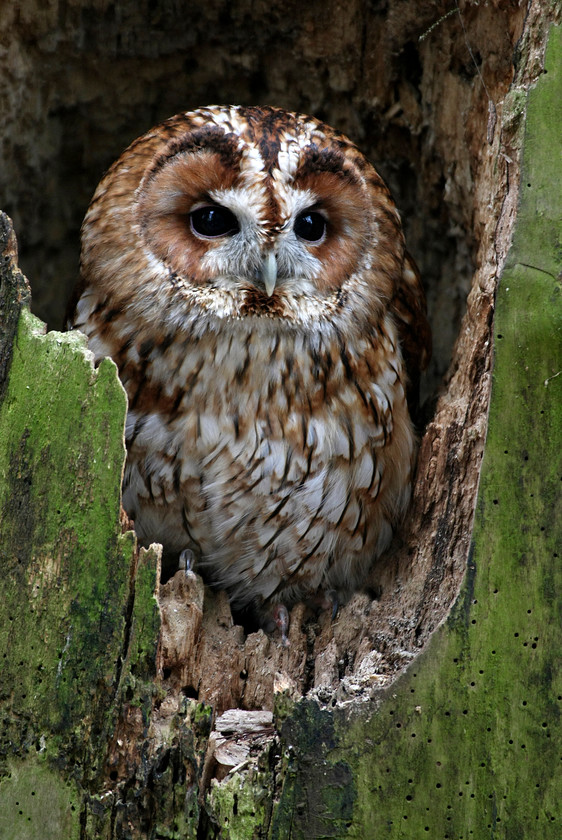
<point>245,268</point>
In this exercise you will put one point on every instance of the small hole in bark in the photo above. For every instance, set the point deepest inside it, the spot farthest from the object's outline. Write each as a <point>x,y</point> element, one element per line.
<point>164,762</point>
<point>191,692</point>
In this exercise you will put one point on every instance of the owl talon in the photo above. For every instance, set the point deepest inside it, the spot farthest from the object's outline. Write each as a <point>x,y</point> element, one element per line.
<point>186,560</point>
<point>281,618</point>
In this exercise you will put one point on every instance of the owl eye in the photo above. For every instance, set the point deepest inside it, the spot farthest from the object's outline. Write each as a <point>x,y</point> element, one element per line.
<point>310,225</point>
<point>212,221</point>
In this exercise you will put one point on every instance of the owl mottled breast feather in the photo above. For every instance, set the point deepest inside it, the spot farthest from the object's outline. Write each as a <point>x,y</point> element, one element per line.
<point>246,270</point>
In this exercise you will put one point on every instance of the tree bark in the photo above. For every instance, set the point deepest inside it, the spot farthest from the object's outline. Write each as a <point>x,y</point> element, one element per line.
<point>135,709</point>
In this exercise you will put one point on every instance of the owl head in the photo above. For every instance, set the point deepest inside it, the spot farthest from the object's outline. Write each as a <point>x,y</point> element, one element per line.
<point>243,212</point>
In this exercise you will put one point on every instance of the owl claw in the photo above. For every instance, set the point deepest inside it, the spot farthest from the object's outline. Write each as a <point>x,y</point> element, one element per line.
<point>280,616</point>
<point>186,560</point>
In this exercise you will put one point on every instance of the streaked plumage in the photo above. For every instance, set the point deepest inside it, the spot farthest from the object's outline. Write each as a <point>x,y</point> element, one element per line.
<point>268,428</point>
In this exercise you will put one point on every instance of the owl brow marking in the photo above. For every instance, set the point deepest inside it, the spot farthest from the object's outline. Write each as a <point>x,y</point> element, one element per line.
<point>317,160</point>
<point>211,137</point>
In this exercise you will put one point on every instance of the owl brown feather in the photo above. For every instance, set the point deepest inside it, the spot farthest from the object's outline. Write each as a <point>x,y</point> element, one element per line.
<point>246,270</point>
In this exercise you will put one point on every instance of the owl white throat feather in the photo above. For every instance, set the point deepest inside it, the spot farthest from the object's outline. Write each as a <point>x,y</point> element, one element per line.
<point>246,270</point>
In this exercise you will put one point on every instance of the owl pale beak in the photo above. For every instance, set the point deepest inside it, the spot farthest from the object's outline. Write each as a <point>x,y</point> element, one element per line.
<point>269,272</point>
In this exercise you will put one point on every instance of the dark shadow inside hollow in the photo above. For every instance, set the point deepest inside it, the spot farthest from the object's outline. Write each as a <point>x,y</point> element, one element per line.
<point>412,86</point>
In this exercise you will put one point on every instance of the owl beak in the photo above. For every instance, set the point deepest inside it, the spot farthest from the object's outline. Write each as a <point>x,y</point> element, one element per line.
<point>269,272</point>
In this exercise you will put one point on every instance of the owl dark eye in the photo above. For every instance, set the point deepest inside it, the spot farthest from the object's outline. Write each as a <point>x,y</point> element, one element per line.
<point>213,221</point>
<point>310,225</point>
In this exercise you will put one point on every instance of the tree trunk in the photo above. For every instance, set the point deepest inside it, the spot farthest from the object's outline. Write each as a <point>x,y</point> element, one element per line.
<point>135,709</point>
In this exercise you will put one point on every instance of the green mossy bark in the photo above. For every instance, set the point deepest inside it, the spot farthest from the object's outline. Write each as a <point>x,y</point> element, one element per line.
<point>467,743</point>
<point>36,802</point>
<point>58,525</point>
<point>69,624</point>
<point>241,805</point>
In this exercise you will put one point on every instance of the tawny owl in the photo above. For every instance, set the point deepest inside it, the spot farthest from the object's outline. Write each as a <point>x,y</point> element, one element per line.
<point>246,270</point>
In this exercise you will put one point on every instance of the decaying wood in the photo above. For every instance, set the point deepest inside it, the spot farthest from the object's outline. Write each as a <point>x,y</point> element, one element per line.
<point>163,717</point>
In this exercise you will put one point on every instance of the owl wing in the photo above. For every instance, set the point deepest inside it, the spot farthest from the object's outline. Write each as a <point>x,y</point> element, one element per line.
<point>410,312</point>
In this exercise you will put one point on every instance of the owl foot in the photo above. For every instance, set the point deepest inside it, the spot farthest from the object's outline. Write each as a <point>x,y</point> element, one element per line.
<point>280,616</point>
<point>186,560</point>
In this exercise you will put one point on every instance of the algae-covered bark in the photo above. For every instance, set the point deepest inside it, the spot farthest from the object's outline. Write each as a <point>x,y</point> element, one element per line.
<point>467,743</point>
<point>67,615</point>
